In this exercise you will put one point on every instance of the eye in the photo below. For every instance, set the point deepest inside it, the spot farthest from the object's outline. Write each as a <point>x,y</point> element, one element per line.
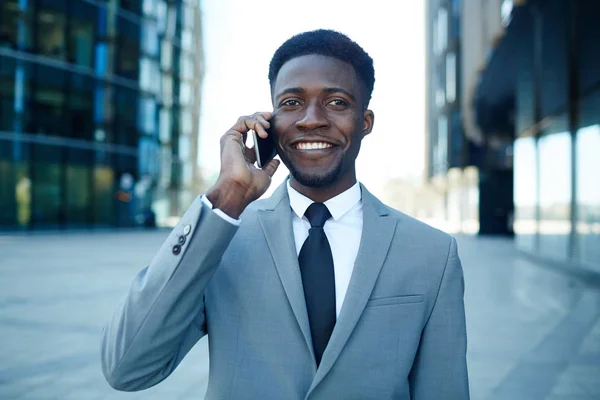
<point>291,103</point>
<point>339,103</point>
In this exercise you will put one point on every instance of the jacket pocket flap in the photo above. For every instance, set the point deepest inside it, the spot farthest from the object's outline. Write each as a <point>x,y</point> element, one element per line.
<point>385,301</point>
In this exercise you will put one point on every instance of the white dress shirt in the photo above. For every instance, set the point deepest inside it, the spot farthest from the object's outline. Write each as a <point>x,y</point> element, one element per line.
<point>343,230</point>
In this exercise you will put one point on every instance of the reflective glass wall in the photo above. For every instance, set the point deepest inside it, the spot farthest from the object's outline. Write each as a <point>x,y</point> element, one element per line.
<point>557,179</point>
<point>587,177</point>
<point>97,103</point>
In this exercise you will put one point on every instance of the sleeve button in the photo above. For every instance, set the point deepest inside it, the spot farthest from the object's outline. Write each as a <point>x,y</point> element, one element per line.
<point>181,240</point>
<point>176,249</point>
<point>187,229</point>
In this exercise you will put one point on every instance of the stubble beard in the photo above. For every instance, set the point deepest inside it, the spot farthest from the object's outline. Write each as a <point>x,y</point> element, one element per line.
<point>318,181</point>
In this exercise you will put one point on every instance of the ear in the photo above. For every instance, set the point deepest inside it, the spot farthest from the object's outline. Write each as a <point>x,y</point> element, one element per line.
<point>368,121</point>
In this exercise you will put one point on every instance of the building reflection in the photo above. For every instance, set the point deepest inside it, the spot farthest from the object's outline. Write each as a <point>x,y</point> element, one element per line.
<point>529,118</point>
<point>92,91</point>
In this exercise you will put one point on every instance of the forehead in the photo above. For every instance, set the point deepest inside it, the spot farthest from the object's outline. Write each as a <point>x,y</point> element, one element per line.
<point>314,72</point>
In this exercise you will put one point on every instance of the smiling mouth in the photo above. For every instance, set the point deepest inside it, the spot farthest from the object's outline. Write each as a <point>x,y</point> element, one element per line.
<point>312,146</point>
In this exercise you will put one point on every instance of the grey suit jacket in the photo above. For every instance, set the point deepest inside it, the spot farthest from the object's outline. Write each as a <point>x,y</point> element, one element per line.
<point>400,333</point>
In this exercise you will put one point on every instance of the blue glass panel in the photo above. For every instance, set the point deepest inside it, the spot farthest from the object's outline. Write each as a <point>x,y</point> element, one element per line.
<point>555,191</point>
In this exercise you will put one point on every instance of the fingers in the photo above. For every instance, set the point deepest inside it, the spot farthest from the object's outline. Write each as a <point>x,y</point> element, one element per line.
<point>271,167</point>
<point>238,133</point>
<point>261,118</point>
<point>259,122</point>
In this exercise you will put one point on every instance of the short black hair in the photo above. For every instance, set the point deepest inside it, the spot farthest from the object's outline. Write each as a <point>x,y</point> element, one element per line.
<point>329,43</point>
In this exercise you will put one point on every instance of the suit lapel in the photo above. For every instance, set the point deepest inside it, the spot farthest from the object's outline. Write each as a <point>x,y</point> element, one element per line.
<point>276,222</point>
<point>377,234</point>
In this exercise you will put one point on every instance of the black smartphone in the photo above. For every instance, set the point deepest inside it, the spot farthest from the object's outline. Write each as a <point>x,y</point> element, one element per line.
<point>266,149</point>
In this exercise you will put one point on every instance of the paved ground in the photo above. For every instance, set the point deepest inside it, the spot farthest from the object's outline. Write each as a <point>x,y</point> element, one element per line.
<point>534,333</point>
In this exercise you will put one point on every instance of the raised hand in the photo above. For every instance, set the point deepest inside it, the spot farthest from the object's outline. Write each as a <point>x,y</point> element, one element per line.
<point>240,182</point>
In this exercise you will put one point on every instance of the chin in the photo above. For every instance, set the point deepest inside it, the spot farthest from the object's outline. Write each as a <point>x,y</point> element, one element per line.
<point>316,180</point>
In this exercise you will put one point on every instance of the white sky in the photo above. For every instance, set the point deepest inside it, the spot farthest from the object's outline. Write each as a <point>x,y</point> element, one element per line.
<point>241,36</point>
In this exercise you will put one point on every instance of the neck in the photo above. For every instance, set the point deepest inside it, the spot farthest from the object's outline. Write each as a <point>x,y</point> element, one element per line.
<point>321,195</point>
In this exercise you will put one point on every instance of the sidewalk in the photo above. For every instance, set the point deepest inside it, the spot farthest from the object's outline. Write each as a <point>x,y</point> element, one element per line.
<point>534,333</point>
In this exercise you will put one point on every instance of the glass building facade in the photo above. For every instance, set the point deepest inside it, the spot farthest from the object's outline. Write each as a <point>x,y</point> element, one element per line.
<point>445,135</point>
<point>450,158</point>
<point>552,48</point>
<point>98,111</point>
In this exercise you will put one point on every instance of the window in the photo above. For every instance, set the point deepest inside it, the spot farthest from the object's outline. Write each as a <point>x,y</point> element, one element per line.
<point>81,39</point>
<point>147,115</point>
<point>442,145</point>
<point>171,21</point>
<point>150,38</point>
<point>555,191</point>
<point>49,100</point>
<point>184,148</point>
<point>15,187</point>
<point>440,97</point>
<point>13,16</point>
<point>456,17</point>
<point>128,50</point>
<point>167,89</point>
<point>46,186</point>
<point>456,139</point>
<point>146,74</point>
<point>525,197</point>
<point>78,186</point>
<point>51,28</point>
<point>148,157</point>
<point>450,77</point>
<point>166,55</point>
<point>554,68</point>
<point>434,35</point>
<point>104,192</point>
<point>187,67</point>
<point>166,160</point>
<point>133,6</point>
<point>161,16</point>
<point>442,31</point>
<point>8,84</point>
<point>440,94</point>
<point>588,37</point>
<point>165,125</point>
<point>81,107</point>
<point>588,194</point>
<point>185,94</point>
<point>187,170</point>
<point>186,122</point>
<point>126,114</point>
<point>189,17</point>
<point>149,8</point>
<point>187,40</point>
<point>588,183</point>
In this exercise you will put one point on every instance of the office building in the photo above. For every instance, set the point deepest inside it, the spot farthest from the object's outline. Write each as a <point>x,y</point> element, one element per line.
<point>530,108</point>
<point>451,149</point>
<point>543,76</point>
<point>98,115</point>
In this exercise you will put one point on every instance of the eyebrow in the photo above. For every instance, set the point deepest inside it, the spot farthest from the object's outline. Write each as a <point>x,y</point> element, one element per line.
<point>327,90</point>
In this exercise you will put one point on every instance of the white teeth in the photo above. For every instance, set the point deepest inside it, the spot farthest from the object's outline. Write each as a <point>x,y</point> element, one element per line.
<point>312,146</point>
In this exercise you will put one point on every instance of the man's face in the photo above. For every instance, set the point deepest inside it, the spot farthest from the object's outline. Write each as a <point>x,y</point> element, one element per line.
<point>319,119</point>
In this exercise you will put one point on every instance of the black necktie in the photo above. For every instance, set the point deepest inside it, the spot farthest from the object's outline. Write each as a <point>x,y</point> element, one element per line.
<point>318,280</point>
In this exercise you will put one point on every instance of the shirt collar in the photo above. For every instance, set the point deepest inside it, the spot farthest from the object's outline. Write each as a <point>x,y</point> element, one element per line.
<point>337,206</point>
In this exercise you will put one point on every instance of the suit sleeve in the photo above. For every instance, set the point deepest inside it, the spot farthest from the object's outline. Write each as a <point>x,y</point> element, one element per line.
<point>162,316</point>
<point>440,367</point>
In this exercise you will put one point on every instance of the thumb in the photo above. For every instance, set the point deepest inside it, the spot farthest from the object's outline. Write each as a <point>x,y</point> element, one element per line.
<point>271,167</point>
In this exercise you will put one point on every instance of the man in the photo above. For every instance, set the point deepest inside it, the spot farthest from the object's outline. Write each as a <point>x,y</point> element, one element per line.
<point>320,291</point>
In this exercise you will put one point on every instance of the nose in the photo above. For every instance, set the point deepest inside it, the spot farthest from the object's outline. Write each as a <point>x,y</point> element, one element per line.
<point>314,117</point>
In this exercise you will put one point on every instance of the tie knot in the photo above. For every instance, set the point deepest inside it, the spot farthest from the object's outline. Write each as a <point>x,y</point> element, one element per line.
<point>317,214</point>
